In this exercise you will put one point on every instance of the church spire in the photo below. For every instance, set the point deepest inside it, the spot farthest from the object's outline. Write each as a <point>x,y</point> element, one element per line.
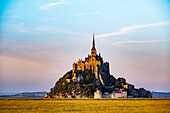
<point>93,50</point>
<point>93,44</point>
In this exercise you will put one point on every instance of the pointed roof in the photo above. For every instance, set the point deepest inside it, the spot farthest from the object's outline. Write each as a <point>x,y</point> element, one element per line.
<point>99,54</point>
<point>93,43</point>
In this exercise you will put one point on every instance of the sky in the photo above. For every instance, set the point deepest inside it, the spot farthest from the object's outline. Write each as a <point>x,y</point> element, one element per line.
<point>40,39</point>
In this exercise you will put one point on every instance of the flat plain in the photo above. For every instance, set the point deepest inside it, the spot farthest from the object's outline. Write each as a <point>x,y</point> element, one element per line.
<point>85,105</point>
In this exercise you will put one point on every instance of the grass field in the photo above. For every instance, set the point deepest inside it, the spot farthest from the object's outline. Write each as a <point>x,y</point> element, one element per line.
<point>85,105</point>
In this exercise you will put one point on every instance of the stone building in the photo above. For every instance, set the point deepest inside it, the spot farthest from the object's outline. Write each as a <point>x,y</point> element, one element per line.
<point>93,62</point>
<point>74,79</point>
<point>98,94</point>
<point>122,94</point>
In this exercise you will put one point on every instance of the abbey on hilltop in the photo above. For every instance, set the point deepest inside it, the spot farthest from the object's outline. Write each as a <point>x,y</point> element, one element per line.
<point>94,63</point>
<point>91,78</point>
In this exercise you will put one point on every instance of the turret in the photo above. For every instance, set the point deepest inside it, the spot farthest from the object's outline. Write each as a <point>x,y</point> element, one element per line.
<point>99,55</point>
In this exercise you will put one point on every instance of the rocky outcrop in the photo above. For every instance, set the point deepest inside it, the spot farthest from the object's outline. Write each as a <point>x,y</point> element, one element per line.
<point>90,75</point>
<point>138,93</point>
<point>88,84</point>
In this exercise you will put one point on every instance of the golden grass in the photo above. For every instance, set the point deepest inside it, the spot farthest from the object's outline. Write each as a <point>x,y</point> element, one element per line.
<point>85,105</point>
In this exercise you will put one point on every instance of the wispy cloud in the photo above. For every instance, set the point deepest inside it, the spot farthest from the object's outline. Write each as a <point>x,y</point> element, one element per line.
<point>130,42</point>
<point>52,4</point>
<point>19,61</point>
<point>90,13</point>
<point>38,30</point>
<point>21,29</point>
<point>132,28</point>
<point>80,14</point>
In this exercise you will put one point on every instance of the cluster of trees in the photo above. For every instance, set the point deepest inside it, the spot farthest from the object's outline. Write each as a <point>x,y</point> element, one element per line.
<point>85,87</point>
<point>120,82</point>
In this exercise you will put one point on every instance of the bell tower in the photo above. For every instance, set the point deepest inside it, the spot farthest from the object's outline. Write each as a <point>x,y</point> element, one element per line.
<point>93,50</point>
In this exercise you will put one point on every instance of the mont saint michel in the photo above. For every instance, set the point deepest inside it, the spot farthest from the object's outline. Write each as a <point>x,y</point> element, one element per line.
<point>51,61</point>
<point>91,78</point>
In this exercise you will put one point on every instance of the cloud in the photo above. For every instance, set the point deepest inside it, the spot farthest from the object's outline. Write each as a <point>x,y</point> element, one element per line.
<point>91,13</point>
<point>80,14</point>
<point>132,28</point>
<point>23,62</point>
<point>14,27</point>
<point>130,42</point>
<point>52,4</point>
<point>22,29</point>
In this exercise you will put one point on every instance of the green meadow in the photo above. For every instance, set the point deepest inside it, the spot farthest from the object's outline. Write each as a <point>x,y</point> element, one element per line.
<point>85,105</point>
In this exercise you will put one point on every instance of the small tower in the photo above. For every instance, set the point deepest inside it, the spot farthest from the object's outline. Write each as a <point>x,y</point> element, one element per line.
<point>99,55</point>
<point>74,78</point>
<point>93,50</point>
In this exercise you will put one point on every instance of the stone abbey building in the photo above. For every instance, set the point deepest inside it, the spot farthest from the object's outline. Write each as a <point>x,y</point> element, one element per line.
<point>93,62</point>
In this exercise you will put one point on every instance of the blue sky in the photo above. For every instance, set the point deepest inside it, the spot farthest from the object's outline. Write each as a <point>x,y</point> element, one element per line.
<point>39,40</point>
